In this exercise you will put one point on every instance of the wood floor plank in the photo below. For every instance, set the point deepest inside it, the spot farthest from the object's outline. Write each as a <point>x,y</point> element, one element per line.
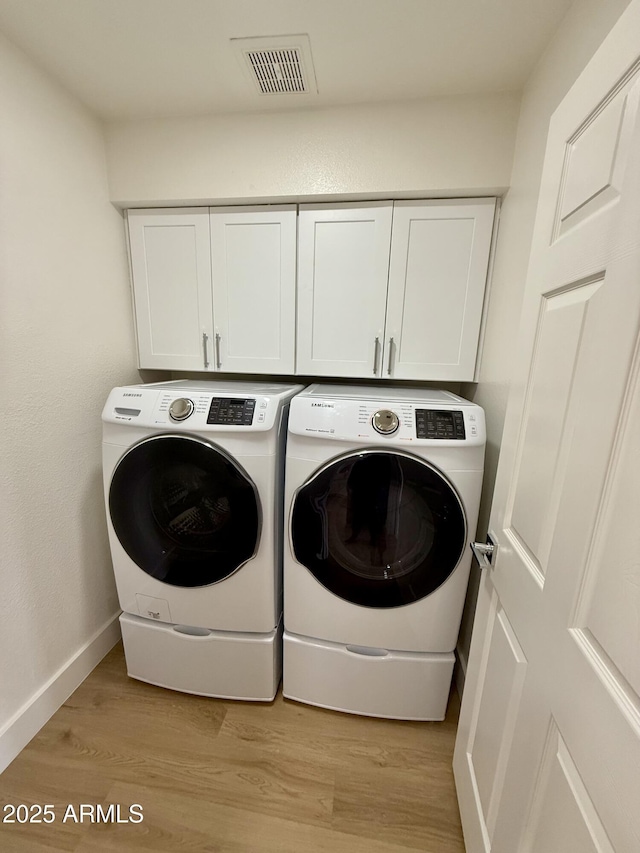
<point>23,842</point>
<point>417,807</point>
<point>175,822</point>
<point>33,780</point>
<point>189,765</point>
<point>215,775</point>
<point>328,735</point>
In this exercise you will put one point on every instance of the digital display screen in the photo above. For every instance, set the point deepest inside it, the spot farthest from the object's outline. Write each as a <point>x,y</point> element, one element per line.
<point>444,425</point>
<point>231,411</point>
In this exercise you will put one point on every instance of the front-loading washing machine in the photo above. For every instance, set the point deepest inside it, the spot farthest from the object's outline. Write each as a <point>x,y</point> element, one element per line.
<point>382,490</point>
<point>193,479</point>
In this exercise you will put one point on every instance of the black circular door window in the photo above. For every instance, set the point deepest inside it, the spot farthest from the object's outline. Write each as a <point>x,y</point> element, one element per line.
<point>378,528</point>
<point>183,511</point>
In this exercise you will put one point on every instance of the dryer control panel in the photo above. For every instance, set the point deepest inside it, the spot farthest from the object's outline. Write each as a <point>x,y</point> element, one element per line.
<point>396,421</point>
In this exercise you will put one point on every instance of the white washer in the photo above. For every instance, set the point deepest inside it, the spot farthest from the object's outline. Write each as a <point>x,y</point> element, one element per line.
<point>382,489</point>
<point>193,478</point>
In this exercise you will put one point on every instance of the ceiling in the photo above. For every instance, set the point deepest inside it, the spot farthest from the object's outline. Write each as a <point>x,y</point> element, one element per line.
<point>153,58</point>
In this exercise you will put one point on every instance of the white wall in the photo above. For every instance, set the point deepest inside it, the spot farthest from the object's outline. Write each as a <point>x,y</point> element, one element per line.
<point>430,147</point>
<point>66,338</point>
<point>580,34</point>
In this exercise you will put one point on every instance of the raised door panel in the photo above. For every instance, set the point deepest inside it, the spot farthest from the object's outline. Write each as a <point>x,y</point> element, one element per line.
<point>539,465</point>
<point>497,713</point>
<point>343,262</point>
<point>562,816</point>
<point>437,277</point>
<point>485,739</point>
<point>612,577</point>
<point>253,252</point>
<point>171,267</point>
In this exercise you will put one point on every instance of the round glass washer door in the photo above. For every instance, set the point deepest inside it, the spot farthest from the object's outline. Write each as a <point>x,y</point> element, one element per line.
<point>184,511</point>
<point>378,528</point>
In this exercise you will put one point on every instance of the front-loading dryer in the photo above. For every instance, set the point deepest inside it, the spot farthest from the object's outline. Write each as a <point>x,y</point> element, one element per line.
<point>193,478</point>
<point>382,495</point>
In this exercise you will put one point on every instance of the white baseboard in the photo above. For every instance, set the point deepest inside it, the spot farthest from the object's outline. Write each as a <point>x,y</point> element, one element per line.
<point>28,721</point>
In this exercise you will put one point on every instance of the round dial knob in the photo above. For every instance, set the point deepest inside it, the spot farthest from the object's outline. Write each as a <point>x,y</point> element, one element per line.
<point>180,409</point>
<point>385,421</point>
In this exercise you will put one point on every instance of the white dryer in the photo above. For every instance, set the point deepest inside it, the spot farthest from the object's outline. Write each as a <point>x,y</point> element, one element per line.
<point>382,490</point>
<point>193,479</point>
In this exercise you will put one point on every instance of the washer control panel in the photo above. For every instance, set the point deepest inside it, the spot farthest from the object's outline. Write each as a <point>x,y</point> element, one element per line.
<point>231,411</point>
<point>441,425</point>
<point>192,409</point>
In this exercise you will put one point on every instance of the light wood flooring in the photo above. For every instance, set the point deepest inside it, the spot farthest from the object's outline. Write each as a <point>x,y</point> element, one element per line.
<point>232,777</point>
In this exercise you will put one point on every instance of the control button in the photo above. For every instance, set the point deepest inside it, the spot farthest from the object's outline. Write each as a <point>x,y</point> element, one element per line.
<point>180,409</point>
<point>260,417</point>
<point>474,430</point>
<point>385,421</point>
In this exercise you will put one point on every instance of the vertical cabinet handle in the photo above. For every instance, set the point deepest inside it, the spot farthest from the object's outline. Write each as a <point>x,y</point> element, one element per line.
<point>390,365</point>
<point>218,360</point>
<point>376,353</point>
<point>205,338</point>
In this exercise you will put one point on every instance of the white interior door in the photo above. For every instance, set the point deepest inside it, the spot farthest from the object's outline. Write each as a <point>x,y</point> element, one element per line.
<point>343,265</point>
<point>547,758</point>
<point>253,257</point>
<point>437,278</point>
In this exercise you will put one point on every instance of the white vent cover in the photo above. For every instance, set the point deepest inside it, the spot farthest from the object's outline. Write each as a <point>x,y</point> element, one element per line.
<point>278,65</point>
<point>278,71</point>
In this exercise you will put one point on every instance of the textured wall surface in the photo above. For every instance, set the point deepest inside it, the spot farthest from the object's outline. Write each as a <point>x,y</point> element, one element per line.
<point>66,338</point>
<point>440,146</point>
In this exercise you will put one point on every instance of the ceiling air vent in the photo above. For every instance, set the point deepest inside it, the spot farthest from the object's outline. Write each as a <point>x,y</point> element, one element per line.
<point>278,65</point>
<point>277,71</point>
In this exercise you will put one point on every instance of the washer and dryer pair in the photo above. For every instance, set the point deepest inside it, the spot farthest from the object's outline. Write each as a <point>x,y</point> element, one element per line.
<point>382,495</point>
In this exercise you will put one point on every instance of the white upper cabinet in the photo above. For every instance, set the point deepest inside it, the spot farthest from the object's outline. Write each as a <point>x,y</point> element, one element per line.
<point>343,265</point>
<point>392,290</point>
<point>437,276</point>
<point>214,288</point>
<point>387,290</point>
<point>253,256</point>
<point>171,266</point>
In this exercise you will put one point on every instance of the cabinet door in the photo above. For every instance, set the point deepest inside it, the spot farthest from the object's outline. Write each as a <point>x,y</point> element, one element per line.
<point>171,266</point>
<point>437,277</point>
<point>253,252</point>
<point>343,263</point>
